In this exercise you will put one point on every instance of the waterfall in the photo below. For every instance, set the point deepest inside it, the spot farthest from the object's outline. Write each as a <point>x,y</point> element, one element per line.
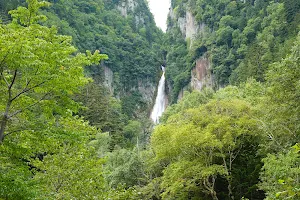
<point>160,102</point>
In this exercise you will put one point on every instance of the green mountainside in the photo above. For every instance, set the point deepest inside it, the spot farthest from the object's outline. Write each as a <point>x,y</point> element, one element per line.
<point>132,42</point>
<point>78,79</point>
<point>240,38</point>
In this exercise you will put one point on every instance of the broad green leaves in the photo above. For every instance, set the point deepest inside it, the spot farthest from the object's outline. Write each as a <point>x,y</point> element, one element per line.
<point>28,16</point>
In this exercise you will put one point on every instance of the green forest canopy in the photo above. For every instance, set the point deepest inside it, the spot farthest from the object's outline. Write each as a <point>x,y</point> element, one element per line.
<point>63,136</point>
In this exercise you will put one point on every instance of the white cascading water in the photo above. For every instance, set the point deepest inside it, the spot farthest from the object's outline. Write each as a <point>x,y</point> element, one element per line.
<point>160,102</point>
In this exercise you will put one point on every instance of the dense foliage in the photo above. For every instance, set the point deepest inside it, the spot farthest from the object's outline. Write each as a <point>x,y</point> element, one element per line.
<point>63,135</point>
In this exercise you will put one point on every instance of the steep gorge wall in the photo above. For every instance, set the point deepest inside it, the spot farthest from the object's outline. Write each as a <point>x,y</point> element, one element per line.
<point>144,86</point>
<point>201,72</point>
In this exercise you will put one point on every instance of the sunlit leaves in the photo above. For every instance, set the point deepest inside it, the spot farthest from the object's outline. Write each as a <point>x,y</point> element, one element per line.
<point>43,64</point>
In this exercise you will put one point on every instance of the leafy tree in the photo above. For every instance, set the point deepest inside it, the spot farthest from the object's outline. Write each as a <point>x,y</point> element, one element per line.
<point>132,131</point>
<point>38,70</point>
<point>102,111</point>
<point>190,100</point>
<point>101,143</point>
<point>201,145</point>
<point>72,170</point>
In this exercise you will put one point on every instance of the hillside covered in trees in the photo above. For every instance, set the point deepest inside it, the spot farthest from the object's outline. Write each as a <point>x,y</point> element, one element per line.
<point>240,38</point>
<point>78,81</point>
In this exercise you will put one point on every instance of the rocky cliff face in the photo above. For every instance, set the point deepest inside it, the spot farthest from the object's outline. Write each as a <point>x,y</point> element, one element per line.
<point>125,6</point>
<point>201,76</point>
<point>192,28</point>
<point>187,25</point>
<point>201,73</point>
<point>147,89</point>
<point>108,79</point>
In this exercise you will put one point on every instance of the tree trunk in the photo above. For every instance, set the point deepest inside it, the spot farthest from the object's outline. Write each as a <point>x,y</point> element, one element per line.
<point>214,195</point>
<point>228,177</point>
<point>4,121</point>
<point>5,117</point>
<point>2,128</point>
<point>209,185</point>
<point>230,195</point>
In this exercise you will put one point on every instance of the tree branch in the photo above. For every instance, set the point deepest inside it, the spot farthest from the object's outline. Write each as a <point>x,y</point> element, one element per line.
<point>29,106</point>
<point>13,80</point>
<point>26,89</point>
<point>9,133</point>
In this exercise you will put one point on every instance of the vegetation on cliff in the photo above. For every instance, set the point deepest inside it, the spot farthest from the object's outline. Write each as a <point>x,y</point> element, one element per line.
<point>241,38</point>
